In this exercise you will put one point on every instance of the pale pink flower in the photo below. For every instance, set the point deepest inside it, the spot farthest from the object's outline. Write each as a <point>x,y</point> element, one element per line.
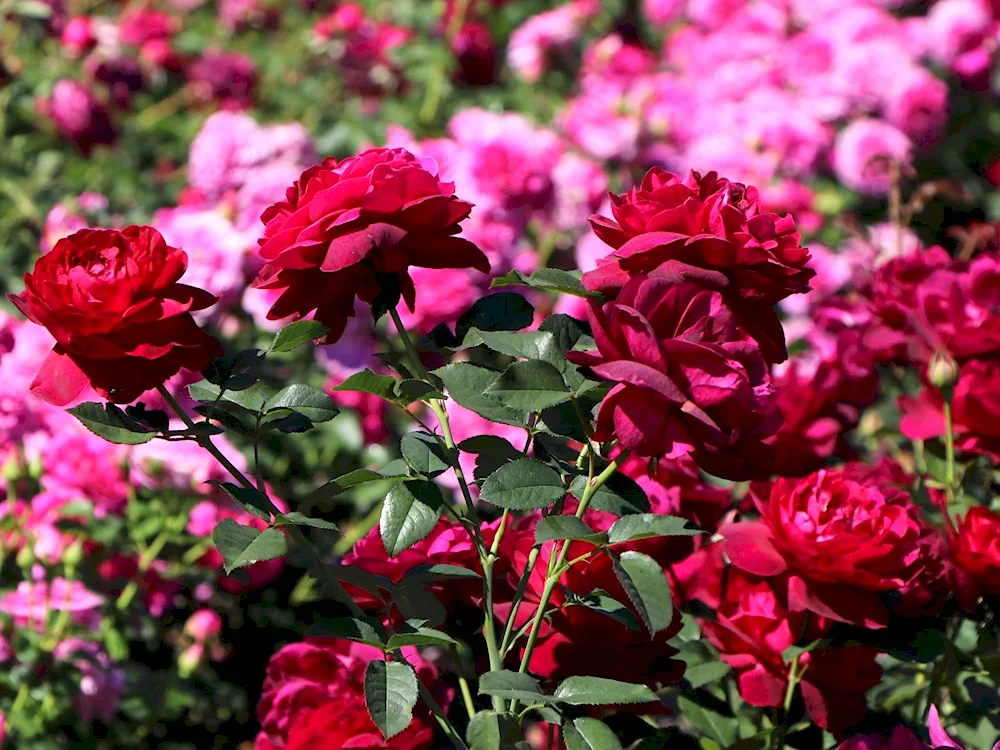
<point>867,153</point>
<point>31,602</point>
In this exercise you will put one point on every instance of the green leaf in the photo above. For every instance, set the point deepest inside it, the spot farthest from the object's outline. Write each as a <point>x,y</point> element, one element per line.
<point>530,386</point>
<point>252,399</point>
<point>600,602</point>
<point>302,399</point>
<point>111,423</point>
<point>467,384</point>
<point>243,545</point>
<point>647,588</point>
<point>649,525</point>
<point>490,731</point>
<point>424,454</point>
<point>491,453</point>
<point>390,694</point>
<point>367,381</point>
<point>566,330</point>
<point>418,635</point>
<point>550,279</point>
<point>525,484</point>
<point>503,311</point>
<point>416,603</point>
<point>483,732</point>
<point>512,685</point>
<point>409,391</point>
<point>410,512</point>
<point>298,333</point>
<point>600,691</point>
<point>363,476</point>
<point>590,734</point>
<point>370,583</point>
<point>722,728</point>
<point>440,572</point>
<point>251,500</point>
<point>565,527</point>
<point>300,519</point>
<point>619,495</point>
<point>521,344</point>
<point>707,673</point>
<point>368,630</point>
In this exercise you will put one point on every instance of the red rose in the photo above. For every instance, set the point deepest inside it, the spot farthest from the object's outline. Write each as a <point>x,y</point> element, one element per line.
<point>710,230</point>
<point>353,229</point>
<point>893,297</point>
<point>926,302</point>
<point>841,544</point>
<point>752,630</point>
<point>121,322</point>
<point>315,689</point>
<point>685,384</point>
<point>975,410</point>
<point>821,397</point>
<point>975,551</point>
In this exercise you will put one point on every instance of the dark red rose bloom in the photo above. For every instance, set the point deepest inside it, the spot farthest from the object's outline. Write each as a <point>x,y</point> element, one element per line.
<point>475,54</point>
<point>710,230</point>
<point>753,629</point>
<point>313,698</point>
<point>975,410</point>
<point>686,384</point>
<point>228,78</point>
<point>121,321</point>
<point>844,548</point>
<point>353,229</point>
<point>79,115</point>
<point>975,552</point>
<point>893,295</point>
<point>567,639</point>
<point>902,738</point>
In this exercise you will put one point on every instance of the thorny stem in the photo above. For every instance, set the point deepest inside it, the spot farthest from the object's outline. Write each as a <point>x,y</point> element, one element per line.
<point>552,580</point>
<point>487,558</point>
<point>949,447</point>
<point>205,441</point>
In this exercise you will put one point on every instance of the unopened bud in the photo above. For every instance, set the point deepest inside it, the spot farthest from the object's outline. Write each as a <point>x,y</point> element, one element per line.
<point>191,659</point>
<point>73,554</point>
<point>942,371</point>
<point>25,557</point>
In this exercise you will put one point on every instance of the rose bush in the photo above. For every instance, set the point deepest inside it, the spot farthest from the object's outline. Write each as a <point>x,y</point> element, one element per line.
<point>716,468</point>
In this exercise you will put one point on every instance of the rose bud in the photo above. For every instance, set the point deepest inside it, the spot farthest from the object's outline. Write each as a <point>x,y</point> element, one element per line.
<point>942,371</point>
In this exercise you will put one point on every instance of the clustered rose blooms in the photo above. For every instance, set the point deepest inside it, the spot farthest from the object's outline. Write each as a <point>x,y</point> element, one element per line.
<point>121,320</point>
<point>687,382</point>
<point>712,231</point>
<point>838,545</point>
<point>353,229</point>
